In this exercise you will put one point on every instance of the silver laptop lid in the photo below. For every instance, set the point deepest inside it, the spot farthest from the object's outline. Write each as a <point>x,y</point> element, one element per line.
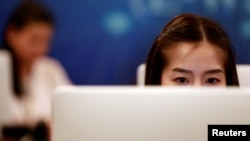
<point>145,114</point>
<point>5,85</point>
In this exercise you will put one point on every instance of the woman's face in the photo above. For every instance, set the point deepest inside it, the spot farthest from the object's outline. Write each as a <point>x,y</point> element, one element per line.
<point>30,42</point>
<point>194,64</point>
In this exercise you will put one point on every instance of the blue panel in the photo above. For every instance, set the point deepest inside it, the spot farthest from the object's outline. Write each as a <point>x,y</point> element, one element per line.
<point>103,42</point>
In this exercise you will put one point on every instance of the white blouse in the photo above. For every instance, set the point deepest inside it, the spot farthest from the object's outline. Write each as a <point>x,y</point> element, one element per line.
<point>46,75</point>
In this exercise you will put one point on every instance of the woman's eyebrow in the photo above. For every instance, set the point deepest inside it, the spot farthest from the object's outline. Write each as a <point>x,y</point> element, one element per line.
<point>213,71</point>
<point>182,70</point>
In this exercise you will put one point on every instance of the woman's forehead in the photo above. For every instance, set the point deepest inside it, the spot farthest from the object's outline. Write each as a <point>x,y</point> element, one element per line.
<point>188,54</point>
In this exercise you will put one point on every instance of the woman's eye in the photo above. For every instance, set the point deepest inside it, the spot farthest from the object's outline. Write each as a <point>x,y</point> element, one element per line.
<point>181,80</point>
<point>212,81</point>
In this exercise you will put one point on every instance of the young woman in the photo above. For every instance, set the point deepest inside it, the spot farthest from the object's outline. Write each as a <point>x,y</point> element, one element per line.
<point>191,51</point>
<point>27,37</point>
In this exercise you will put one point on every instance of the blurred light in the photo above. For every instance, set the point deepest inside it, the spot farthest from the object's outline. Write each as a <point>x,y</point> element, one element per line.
<point>189,1</point>
<point>211,5</point>
<point>157,6</point>
<point>138,9</point>
<point>229,5</point>
<point>164,8</point>
<point>246,6</point>
<point>143,9</point>
<point>117,23</point>
<point>245,28</point>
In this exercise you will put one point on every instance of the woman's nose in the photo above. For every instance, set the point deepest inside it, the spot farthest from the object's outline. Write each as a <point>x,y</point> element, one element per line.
<point>197,83</point>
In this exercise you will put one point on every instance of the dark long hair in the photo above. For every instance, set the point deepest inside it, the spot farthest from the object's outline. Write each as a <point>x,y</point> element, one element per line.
<point>189,28</point>
<point>24,13</point>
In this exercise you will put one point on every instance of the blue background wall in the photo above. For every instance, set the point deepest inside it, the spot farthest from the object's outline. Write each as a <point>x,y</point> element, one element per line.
<point>103,42</point>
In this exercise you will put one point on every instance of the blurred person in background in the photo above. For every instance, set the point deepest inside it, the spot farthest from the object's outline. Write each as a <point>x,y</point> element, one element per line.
<point>191,51</point>
<point>27,36</point>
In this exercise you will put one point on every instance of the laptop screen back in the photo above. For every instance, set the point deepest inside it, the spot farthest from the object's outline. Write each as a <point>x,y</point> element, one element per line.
<point>145,114</point>
<point>5,85</point>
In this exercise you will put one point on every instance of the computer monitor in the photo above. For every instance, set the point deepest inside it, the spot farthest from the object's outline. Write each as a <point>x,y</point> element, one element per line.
<point>85,113</point>
<point>5,85</point>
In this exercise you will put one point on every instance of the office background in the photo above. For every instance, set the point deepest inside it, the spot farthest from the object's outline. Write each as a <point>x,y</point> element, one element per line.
<point>103,42</point>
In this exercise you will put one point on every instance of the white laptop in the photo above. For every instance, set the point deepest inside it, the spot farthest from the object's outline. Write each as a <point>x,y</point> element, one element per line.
<point>5,85</point>
<point>100,113</point>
